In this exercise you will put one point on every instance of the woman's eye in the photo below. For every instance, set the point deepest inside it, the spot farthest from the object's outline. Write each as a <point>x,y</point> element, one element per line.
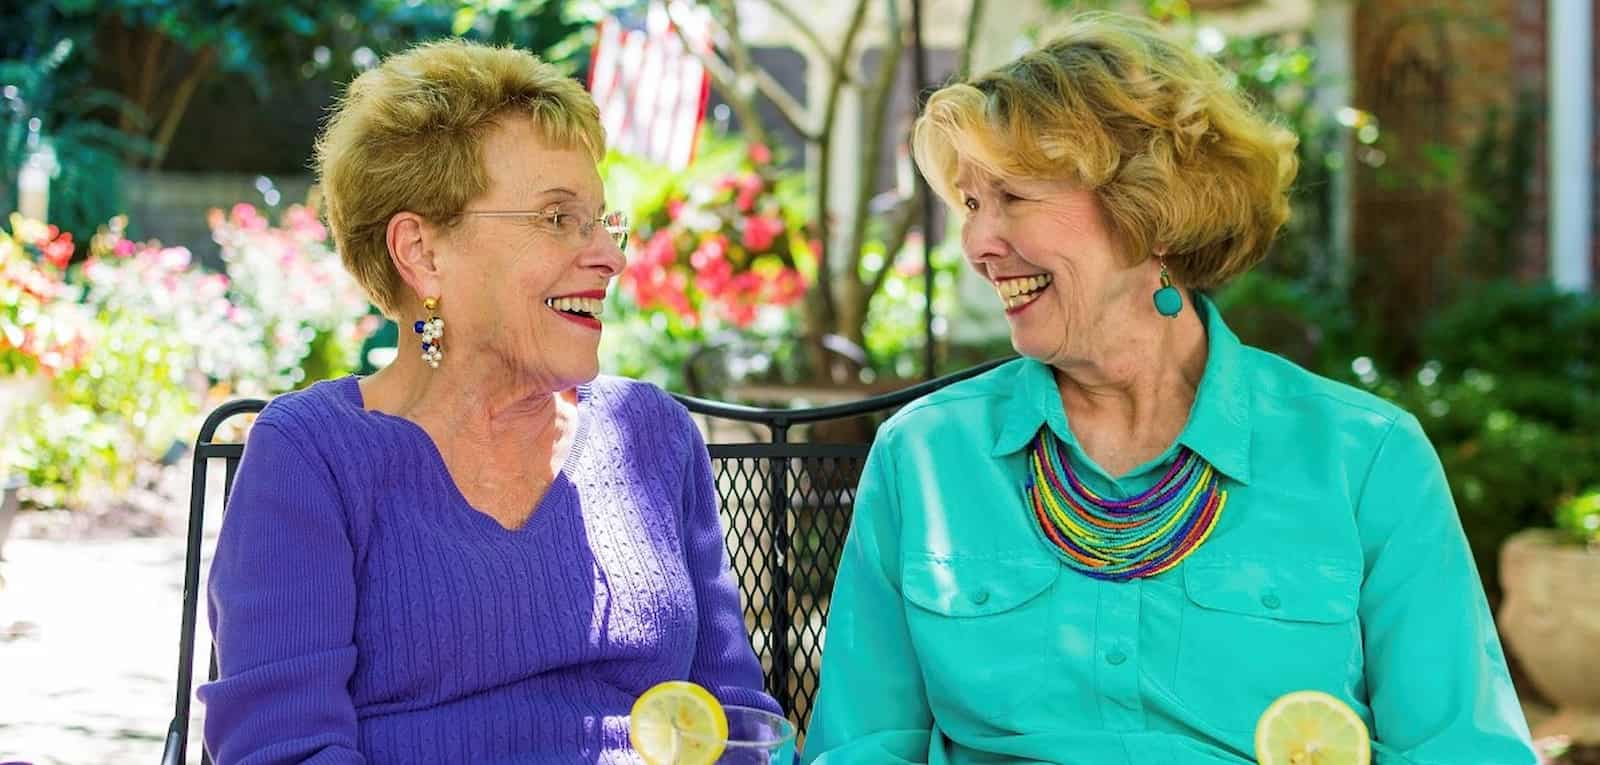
<point>970,204</point>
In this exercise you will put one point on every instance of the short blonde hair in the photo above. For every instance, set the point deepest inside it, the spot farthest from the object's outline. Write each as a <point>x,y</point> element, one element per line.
<point>408,136</point>
<point>1177,157</point>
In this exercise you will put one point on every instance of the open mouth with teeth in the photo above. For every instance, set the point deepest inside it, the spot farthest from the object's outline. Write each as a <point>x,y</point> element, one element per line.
<point>1018,293</point>
<point>583,310</point>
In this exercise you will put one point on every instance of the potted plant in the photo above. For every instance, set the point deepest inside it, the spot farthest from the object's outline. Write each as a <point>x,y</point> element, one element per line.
<point>1550,617</point>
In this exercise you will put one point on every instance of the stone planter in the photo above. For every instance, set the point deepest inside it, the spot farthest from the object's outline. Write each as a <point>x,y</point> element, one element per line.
<point>1550,618</point>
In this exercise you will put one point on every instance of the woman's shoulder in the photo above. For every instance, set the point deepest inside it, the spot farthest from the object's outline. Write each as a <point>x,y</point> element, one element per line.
<point>1277,378</point>
<point>314,408</point>
<point>327,423</point>
<point>630,398</point>
<point>1295,402</point>
<point>958,402</point>
<point>637,407</point>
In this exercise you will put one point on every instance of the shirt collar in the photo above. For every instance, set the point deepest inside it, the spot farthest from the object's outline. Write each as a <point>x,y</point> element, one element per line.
<point>1219,422</point>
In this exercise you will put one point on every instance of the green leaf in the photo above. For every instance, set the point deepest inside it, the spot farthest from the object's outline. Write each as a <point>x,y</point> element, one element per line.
<point>465,16</point>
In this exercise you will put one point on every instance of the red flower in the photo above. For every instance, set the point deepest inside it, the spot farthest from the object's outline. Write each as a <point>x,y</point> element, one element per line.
<point>760,231</point>
<point>714,278</point>
<point>58,252</point>
<point>760,154</point>
<point>787,287</point>
<point>741,314</point>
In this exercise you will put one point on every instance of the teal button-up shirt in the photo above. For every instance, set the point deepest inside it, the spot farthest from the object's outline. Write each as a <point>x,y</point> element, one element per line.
<point>1339,564</point>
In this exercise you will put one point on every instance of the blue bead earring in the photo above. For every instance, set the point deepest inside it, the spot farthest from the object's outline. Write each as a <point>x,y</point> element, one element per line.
<point>1168,300</point>
<point>432,331</point>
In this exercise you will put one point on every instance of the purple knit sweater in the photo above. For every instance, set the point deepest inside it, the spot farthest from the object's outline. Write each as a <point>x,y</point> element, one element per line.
<point>365,613</point>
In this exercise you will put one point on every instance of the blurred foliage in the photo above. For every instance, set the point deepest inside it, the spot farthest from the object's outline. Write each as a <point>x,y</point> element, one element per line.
<point>1494,188</point>
<point>894,333</point>
<point>109,81</point>
<point>47,105</point>
<point>1579,519</point>
<point>1509,393</point>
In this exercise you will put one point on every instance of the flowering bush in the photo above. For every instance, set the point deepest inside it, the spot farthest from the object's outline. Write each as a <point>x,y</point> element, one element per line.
<point>289,281</point>
<point>137,339</point>
<point>719,251</point>
<point>36,334</point>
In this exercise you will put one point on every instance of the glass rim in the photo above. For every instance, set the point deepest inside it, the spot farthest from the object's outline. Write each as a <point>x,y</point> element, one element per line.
<point>787,732</point>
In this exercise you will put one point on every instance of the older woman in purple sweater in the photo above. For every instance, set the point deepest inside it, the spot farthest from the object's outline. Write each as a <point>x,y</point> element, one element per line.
<point>483,553</point>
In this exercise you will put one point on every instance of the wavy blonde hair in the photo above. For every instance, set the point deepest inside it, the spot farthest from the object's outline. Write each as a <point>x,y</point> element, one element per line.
<point>1178,158</point>
<point>408,136</point>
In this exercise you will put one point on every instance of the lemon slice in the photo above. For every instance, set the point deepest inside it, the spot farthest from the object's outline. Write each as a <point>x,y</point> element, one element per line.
<point>678,723</point>
<point>1311,728</point>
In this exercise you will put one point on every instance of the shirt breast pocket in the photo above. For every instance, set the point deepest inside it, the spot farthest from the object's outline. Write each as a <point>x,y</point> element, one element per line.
<point>1255,628</point>
<point>978,626</point>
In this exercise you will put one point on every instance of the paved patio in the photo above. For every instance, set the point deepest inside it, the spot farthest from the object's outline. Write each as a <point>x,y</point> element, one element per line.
<point>88,644</point>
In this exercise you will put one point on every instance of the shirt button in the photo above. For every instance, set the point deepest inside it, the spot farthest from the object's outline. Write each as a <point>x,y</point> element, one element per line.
<point>1270,600</point>
<point>1116,658</point>
<point>980,597</point>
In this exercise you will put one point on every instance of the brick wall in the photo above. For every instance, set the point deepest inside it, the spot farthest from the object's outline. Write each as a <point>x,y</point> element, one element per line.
<point>1529,39</point>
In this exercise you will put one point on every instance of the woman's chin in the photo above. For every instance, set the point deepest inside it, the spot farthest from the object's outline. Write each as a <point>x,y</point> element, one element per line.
<point>1034,341</point>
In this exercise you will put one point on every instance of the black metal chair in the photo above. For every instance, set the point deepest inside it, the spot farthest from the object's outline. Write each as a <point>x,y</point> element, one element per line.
<point>786,504</point>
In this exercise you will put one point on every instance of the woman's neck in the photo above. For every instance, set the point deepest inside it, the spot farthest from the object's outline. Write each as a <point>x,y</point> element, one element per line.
<point>470,405</point>
<point>1129,399</point>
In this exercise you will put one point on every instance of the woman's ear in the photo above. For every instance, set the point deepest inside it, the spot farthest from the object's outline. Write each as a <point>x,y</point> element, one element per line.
<point>410,240</point>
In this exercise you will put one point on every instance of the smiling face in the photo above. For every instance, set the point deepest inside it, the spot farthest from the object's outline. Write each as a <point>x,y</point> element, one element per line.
<point>523,292</point>
<point>1066,284</point>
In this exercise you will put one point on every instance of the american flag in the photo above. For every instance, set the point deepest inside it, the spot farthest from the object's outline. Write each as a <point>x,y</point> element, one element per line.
<point>651,90</point>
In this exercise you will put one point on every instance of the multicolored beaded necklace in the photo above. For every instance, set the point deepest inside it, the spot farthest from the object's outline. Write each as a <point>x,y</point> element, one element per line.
<point>1125,539</point>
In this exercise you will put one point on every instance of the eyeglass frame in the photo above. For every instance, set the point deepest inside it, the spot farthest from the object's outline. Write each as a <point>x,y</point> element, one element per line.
<point>619,232</point>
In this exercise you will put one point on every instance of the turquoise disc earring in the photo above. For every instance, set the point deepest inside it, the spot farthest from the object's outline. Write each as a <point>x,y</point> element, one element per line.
<point>1168,300</point>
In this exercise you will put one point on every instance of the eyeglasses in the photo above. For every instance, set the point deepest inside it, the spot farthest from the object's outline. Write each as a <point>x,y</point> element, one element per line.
<point>571,228</point>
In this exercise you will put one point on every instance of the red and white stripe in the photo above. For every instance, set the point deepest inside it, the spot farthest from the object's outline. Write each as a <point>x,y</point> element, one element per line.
<point>652,91</point>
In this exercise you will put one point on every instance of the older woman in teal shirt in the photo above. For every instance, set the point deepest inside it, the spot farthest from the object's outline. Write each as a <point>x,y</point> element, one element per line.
<point>1122,547</point>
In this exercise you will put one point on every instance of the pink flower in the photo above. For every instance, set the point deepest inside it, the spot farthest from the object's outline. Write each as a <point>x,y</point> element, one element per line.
<point>303,222</point>
<point>750,186</point>
<point>760,154</point>
<point>674,208</point>
<point>245,216</point>
<point>760,231</point>
<point>175,258</point>
<point>713,248</point>
<point>660,249</point>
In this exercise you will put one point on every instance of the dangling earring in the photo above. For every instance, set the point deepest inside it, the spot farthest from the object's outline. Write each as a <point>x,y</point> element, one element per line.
<point>431,329</point>
<point>1168,300</point>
